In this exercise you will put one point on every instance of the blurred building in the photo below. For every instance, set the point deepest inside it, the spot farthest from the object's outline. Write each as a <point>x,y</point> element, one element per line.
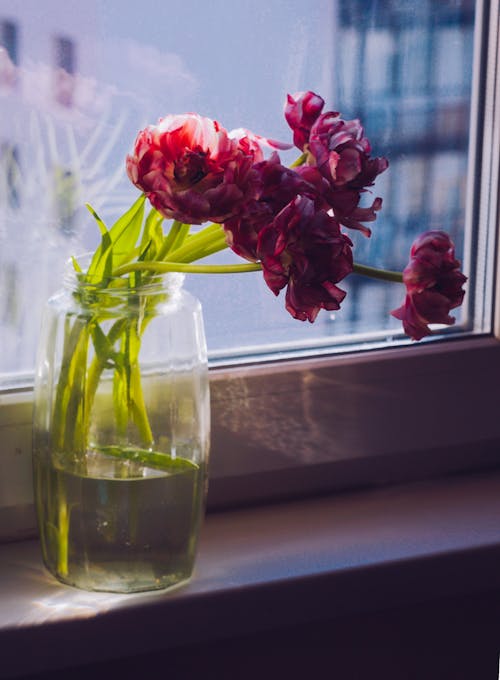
<point>405,69</point>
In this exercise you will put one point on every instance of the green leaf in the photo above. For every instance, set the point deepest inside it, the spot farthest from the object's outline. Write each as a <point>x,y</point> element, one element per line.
<point>101,264</point>
<point>118,243</point>
<point>102,227</point>
<point>103,268</point>
<point>146,252</point>
<point>125,232</point>
<point>154,459</point>
<point>168,242</point>
<point>152,236</point>
<point>76,266</point>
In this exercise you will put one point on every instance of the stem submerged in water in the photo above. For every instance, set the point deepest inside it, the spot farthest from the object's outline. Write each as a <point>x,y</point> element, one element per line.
<point>63,520</point>
<point>69,407</point>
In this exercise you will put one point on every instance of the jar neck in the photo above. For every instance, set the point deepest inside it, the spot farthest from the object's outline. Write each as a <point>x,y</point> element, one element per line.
<point>117,291</point>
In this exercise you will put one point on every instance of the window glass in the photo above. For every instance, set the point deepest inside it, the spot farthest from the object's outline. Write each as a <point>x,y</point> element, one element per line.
<point>452,53</point>
<point>89,74</point>
<point>8,53</point>
<point>64,69</point>
<point>379,61</point>
<point>413,60</point>
<point>9,39</point>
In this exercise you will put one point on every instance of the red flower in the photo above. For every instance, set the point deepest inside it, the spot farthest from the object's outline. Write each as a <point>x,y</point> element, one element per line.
<point>342,152</point>
<point>191,170</point>
<point>343,201</point>
<point>304,250</point>
<point>339,151</point>
<point>278,186</point>
<point>301,111</point>
<point>433,283</point>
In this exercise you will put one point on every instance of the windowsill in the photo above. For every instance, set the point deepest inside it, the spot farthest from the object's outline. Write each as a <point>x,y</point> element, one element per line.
<point>266,567</point>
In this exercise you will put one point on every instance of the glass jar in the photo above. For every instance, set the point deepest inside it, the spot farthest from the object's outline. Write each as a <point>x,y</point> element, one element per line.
<point>121,433</point>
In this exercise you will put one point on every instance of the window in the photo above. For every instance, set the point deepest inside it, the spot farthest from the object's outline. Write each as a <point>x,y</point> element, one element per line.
<point>333,409</point>
<point>9,56</point>
<point>64,82</point>
<point>9,40</point>
<point>65,197</point>
<point>10,187</point>
<point>114,70</point>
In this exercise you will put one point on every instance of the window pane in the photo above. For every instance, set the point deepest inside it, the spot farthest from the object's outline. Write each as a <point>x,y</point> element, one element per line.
<point>79,79</point>
<point>9,53</point>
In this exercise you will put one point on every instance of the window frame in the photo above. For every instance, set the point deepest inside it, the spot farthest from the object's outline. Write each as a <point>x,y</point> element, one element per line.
<point>446,423</point>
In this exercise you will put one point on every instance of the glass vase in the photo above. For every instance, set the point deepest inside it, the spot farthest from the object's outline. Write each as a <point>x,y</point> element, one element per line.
<point>121,434</point>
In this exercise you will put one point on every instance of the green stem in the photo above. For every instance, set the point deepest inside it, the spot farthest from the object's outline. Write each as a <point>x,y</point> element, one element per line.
<point>69,388</point>
<point>71,338</point>
<point>127,387</point>
<point>120,402</point>
<point>300,161</point>
<point>165,267</point>
<point>96,368</point>
<point>75,437</point>
<point>188,268</point>
<point>381,274</point>
<point>138,406</point>
<point>63,520</point>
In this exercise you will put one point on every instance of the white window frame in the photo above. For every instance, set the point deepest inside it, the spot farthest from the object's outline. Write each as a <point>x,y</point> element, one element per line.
<point>326,423</point>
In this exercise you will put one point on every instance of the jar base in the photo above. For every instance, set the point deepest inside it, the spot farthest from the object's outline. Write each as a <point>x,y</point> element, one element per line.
<point>119,581</point>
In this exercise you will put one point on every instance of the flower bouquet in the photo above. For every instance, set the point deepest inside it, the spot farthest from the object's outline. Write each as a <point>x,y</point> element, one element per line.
<point>121,403</point>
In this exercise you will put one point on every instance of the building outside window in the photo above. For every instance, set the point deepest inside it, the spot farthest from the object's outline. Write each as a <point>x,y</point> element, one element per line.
<point>64,52</point>
<point>65,196</point>
<point>423,59</point>
<point>9,52</point>
<point>10,180</point>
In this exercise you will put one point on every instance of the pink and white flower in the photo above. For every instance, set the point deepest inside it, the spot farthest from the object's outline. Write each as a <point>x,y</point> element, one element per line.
<point>191,170</point>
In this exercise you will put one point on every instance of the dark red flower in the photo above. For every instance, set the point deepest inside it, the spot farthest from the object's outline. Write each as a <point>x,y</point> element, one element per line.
<point>433,283</point>
<point>277,186</point>
<point>343,201</point>
<point>338,163</point>
<point>304,250</point>
<point>191,170</point>
<point>301,111</point>
<point>342,152</point>
<point>347,210</point>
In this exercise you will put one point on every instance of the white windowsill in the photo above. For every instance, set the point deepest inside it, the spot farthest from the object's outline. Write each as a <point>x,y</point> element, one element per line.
<point>266,567</point>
